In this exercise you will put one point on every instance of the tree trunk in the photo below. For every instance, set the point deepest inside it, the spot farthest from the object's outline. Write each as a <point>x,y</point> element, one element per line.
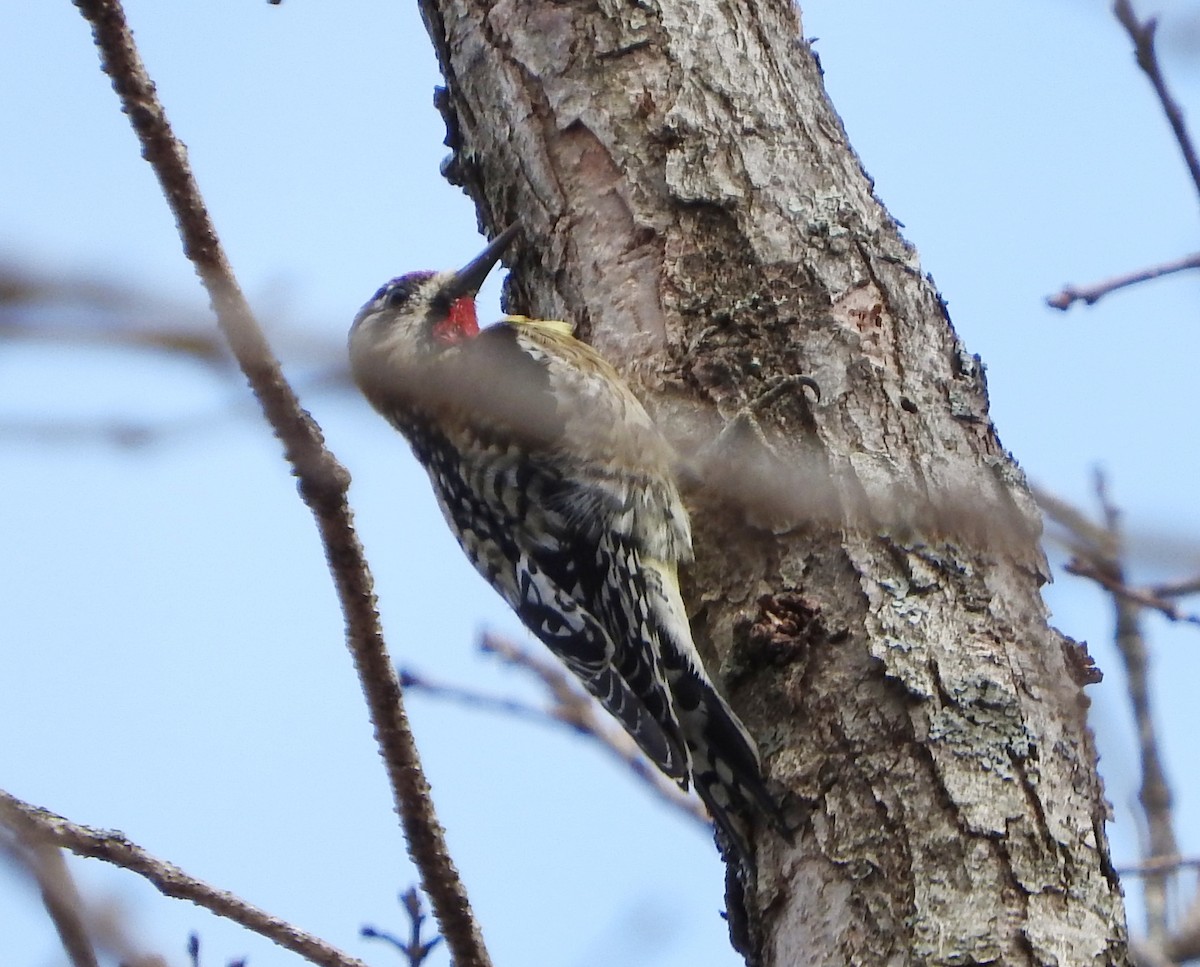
<point>868,572</point>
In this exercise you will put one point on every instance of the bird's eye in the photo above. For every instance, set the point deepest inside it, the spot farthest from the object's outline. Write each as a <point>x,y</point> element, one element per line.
<point>396,296</point>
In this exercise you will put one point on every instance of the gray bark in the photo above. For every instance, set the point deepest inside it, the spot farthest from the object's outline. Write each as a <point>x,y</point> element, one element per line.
<point>868,573</point>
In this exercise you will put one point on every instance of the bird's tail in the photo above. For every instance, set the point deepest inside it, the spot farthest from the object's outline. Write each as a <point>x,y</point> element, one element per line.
<point>726,771</point>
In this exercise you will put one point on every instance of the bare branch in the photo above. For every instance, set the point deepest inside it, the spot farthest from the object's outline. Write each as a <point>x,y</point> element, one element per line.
<point>323,481</point>
<point>412,681</point>
<point>47,829</point>
<point>1091,294</point>
<point>576,709</point>
<point>1142,35</point>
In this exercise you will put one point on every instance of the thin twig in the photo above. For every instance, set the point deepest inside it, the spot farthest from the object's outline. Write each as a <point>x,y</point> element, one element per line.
<point>579,711</point>
<point>1142,35</point>
<point>41,826</point>
<point>1141,597</point>
<point>471,698</point>
<point>1160,864</point>
<point>323,482</point>
<point>1091,294</point>
<point>135,434</point>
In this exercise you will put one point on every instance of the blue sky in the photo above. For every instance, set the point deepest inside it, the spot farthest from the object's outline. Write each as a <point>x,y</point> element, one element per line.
<point>172,650</point>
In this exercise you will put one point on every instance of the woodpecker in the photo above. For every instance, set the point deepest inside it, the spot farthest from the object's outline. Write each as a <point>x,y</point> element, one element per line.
<point>560,490</point>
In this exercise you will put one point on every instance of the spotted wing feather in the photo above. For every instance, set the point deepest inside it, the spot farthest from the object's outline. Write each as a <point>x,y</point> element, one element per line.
<point>498,508</point>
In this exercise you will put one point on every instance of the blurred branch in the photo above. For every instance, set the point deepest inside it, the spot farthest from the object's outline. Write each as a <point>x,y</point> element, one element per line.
<point>46,829</point>
<point>1143,954</point>
<point>133,318</point>
<point>1185,944</point>
<point>1160,864</point>
<point>1099,556</point>
<point>574,708</point>
<point>1177,589</point>
<point>323,482</point>
<point>1091,294</point>
<point>1093,549</point>
<point>60,896</point>
<point>1082,536</point>
<point>85,311</point>
<point>82,313</point>
<point>1141,32</point>
<point>1140,597</point>
<point>132,434</point>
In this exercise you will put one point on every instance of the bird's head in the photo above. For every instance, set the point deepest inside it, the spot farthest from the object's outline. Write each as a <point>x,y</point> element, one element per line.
<point>420,315</point>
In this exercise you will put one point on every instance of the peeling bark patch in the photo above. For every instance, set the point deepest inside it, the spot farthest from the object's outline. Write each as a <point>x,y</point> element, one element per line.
<point>1080,665</point>
<point>622,260</point>
<point>861,311</point>
<point>787,625</point>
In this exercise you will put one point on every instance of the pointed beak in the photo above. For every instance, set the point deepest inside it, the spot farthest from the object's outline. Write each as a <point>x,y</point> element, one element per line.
<point>469,278</point>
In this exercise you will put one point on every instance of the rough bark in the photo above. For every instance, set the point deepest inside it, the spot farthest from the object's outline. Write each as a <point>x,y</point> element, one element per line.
<point>867,576</point>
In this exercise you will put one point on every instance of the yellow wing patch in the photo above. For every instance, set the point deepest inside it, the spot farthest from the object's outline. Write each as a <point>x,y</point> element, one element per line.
<point>553,327</point>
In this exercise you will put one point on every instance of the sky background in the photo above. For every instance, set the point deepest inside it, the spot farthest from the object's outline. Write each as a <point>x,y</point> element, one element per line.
<point>171,652</point>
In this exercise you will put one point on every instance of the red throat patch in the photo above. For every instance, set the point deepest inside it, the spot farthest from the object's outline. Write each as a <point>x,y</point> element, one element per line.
<point>460,325</point>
